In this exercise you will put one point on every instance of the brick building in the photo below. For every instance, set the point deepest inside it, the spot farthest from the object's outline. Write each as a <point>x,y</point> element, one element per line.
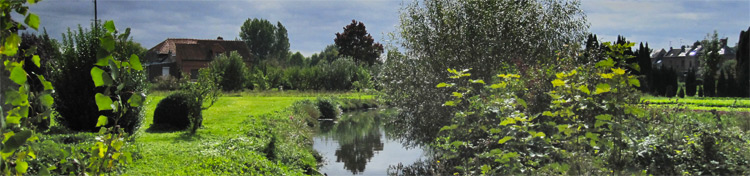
<point>176,57</point>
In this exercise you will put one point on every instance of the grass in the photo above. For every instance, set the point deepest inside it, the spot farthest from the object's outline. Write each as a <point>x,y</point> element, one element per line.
<point>235,117</point>
<point>728,104</point>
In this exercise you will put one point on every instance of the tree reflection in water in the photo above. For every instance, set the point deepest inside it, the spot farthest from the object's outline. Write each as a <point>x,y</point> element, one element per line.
<point>359,138</point>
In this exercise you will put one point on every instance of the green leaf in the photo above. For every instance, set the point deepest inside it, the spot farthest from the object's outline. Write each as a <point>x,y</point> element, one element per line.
<point>10,48</point>
<point>602,88</point>
<point>100,77</point>
<point>504,139</point>
<point>606,117</point>
<point>584,89</point>
<point>135,62</point>
<point>104,61</point>
<point>457,95</point>
<point>634,82</point>
<point>442,84</point>
<point>46,100</point>
<point>16,141</point>
<point>136,100</point>
<point>21,167</point>
<point>599,123</point>
<point>508,121</point>
<point>479,81</point>
<point>449,127</point>
<point>36,61</point>
<point>47,85</point>
<point>449,103</point>
<point>522,102</point>
<point>101,121</point>
<point>110,26</point>
<point>502,84</point>
<point>457,143</point>
<point>32,20</point>
<point>609,63</point>
<point>485,168</point>
<point>107,43</point>
<point>103,102</point>
<point>548,114</point>
<point>18,75</point>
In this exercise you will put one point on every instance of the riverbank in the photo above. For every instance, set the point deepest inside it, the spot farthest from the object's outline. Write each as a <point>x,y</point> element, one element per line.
<point>242,133</point>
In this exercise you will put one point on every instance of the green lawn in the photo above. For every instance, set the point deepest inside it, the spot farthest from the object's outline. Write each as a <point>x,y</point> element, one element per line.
<point>226,122</point>
<point>700,103</point>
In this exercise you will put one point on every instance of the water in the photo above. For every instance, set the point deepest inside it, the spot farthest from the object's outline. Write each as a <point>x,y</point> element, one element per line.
<point>358,144</point>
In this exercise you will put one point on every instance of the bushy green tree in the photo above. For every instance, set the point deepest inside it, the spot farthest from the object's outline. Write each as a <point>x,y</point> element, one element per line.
<point>70,74</point>
<point>231,71</point>
<point>743,64</point>
<point>264,39</point>
<point>710,62</point>
<point>481,35</point>
<point>297,59</point>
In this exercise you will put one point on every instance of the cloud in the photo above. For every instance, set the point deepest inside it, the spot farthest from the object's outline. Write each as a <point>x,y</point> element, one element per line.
<point>311,25</point>
<point>659,22</point>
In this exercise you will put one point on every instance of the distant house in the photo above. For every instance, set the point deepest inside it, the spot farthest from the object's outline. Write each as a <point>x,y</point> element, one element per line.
<point>177,57</point>
<point>687,57</point>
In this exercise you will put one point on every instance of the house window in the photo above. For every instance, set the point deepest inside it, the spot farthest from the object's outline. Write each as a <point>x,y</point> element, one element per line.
<point>165,71</point>
<point>194,74</point>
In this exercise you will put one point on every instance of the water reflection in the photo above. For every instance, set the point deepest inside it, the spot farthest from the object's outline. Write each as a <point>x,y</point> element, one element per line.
<point>358,145</point>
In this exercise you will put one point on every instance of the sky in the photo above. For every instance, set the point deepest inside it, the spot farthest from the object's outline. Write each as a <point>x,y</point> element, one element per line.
<point>312,24</point>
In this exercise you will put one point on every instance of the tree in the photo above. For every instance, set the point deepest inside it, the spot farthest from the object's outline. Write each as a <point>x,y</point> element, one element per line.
<point>481,35</point>
<point>264,39</point>
<point>281,44</point>
<point>743,64</point>
<point>297,59</point>
<point>690,83</point>
<point>230,71</point>
<point>357,43</point>
<point>74,90</point>
<point>329,54</point>
<point>711,58</point>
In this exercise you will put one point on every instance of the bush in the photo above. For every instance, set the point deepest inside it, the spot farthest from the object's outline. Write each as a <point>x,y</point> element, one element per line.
<point>166,83</point>
<point>231,70</point>
<point>74,90</point>
<point>328,107</point>
<point>172,111</point>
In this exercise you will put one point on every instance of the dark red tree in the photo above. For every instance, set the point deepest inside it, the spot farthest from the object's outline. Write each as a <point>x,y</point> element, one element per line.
<point>357,43</point>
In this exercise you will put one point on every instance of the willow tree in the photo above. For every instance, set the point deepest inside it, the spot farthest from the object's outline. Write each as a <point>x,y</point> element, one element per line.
<point>480,35</point>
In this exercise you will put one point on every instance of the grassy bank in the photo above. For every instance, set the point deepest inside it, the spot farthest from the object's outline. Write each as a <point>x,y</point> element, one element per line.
<point>243,132</point>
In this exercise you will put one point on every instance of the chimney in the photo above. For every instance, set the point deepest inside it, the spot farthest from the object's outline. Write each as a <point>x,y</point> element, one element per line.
<point>724,42</point>
<point>219,38</point>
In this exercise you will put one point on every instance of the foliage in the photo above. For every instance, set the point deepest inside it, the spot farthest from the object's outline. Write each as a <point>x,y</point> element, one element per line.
<point>482,35</point>
<point>587,116</point>
<point>72,78</point>
<point>328,107</point>
<point>112,74</point>
<point>264,39</point>
<point>743,63</point>
<point>167,82</point>
<point>329,54</point>
<point>172,112</point>
<point>230,71</point>
<point>17,127</point>
<point>202,95</point>
<point>691,83</point>
<point>357,43</point>
<point>710,62</point>
<point>297,59</point>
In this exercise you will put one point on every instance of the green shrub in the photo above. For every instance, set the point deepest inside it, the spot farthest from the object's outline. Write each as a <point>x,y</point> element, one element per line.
<point>308,111</point>
<point>74,88</point>
<point>328,107</point>
<point>172,111</point>
<point>167,83</point>
<point>231,71</point>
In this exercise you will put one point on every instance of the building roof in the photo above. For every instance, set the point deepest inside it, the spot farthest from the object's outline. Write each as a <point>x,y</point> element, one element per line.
<point>673,52</point>
<point>200,49</point>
